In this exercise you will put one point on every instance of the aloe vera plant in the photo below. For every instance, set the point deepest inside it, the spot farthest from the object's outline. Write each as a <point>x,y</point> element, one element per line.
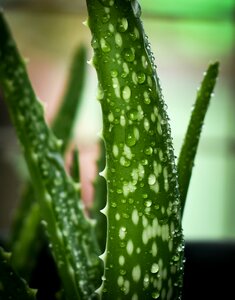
<point>143,243</point>
<point>26,229</point>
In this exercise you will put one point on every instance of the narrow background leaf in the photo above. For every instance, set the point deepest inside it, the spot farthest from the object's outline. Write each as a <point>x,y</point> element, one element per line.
<point>192,136</point>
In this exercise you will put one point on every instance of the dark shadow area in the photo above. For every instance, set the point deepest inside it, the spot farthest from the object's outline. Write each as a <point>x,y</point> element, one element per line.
<point>209,270</point>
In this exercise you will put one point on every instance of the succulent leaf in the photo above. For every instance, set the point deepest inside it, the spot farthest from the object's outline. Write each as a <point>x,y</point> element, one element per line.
<point>26,233</point>
<point>66,116</point>
<point>11,285</point>
<point>144,251</point>
<point>100,199</point>
<point>70,232</point>
<point>192,136</point>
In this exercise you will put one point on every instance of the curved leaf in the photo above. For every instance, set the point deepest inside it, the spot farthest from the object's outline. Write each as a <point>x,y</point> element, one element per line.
<point>11,285</point>
<point>71,234</point>
<point>192,136</point>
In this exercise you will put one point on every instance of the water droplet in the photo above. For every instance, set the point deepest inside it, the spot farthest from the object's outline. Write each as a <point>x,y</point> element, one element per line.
<point>94,43</point>
<point>144,162</point>
<point>146,124</point>
<point>129,54</point>
<point>154,268</point>
<point>144,61</point>
<point>146,281</point>
<point>134,78</point>
<point>118,39</point>
<point>147,100</point>
<point>122,233</point>
<point>125,70</point>
<point>122,121</point>
<point>148,203</point>
<point>141,77</point>
<point>122,25</point>
<point>176,258</point>
<point>155,295</point>
<point>130,138</point>
<point>133,114</point>
<point>126,93</point>
<point>115,150</point>
<point>107,3</point>
<point>114,73</point>
<point>151,179</point>
<point>148,150</point>
<point>111,28</point>
<point>122,271</point>
<point>130,247</point>
<point>105,45</point>
<point>124,161</point>
<point>111,117</point>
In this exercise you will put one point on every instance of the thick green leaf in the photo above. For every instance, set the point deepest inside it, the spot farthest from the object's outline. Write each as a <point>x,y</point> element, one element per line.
<point>192,136</point>
<point>70,232</point>
<point>11,285</point>
<point>26,234</point>
<point>100,199</point>
<point>144,254</point>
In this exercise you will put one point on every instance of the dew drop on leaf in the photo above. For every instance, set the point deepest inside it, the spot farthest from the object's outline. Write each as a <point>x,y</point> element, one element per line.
<point>141,77</point>
<point>151,179</point>
<point>107,3</point>
<point>154,268</point>
<point>155,295</point>
<point>130,137</point>
<point>148,203</point>
<point>148,150</point>
<point>105,47</point>
<point>122,25</point>
<point>114,73</point>
<point>129,54</point>
<point>133,114</point>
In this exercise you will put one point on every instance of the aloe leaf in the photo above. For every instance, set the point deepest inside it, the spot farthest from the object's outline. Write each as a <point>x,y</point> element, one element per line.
<point>27,199</point>
<point>100,199</point>
<point>192,136</point>
<point>66,117</point>
<point>144,251</point>
<point>11,285</point>
<point>70,233</point>
<point>75,170</point>
<point>26,229</point>
<point>28,242</point>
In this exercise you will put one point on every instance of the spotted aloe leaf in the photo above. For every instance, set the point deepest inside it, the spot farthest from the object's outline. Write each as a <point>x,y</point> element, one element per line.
<point>100,199</point>
<point>11,285</point>
<point>144,250</point>
<point>26,234</point>
<point>191,140</point>
<point>70,233</point>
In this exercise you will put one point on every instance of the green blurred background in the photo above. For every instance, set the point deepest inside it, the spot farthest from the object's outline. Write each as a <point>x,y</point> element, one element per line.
<point>185,37</point>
